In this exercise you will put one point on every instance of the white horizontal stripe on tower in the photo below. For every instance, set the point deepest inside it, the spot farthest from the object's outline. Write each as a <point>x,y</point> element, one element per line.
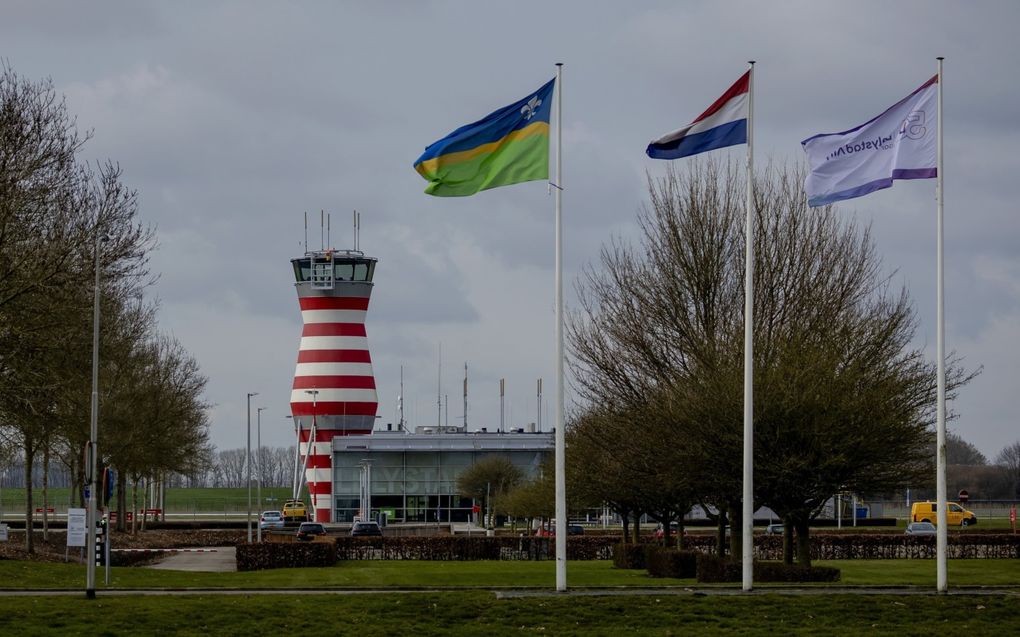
<point>318,448</point>
<point>333,369</point>
<point>327,395</point>
<point>333,316</point>
<point>322,501</point>
<point>333,342</point>
<point>319,475</point>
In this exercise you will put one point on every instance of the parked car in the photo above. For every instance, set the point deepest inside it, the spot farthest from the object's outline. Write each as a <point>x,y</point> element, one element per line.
<point>920,528</point>
<point>365,529</point>
<point>308,530</point>
<point>956,515</point>
<point>572,529</point>
<point>271,520</point>
<point>295,511</point>
<point>674,528</point>
<point>775,529</point>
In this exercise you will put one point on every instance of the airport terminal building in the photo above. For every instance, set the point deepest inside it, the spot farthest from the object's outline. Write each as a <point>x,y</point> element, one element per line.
<point>412,477</point>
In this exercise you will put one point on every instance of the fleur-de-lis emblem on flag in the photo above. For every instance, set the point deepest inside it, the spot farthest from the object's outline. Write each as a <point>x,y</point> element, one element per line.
<point>529,109</point>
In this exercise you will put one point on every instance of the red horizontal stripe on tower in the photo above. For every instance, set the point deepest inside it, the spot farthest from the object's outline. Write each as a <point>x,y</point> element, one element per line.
<point>334,382</point>
<point>333,329</point>
<point>334,409</point>
<point>334,356</point>
<point>334,303</point>
<point>319,462</point>
<point>319,488</point>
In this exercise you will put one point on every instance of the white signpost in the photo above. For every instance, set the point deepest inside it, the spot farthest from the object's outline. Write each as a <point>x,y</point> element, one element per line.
<point>76,526</point>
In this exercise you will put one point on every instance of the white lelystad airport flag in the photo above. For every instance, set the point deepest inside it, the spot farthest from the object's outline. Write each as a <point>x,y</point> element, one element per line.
<point>898,144</point>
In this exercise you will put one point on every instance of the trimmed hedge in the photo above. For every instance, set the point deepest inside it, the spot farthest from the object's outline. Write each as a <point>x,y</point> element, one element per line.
<point>713,569</point>
<point>629,556</point>
<point>626,556</point>
<point>256,557</point>
<point>878,546</point>
<point>663,562</point>
<point>460,547</point>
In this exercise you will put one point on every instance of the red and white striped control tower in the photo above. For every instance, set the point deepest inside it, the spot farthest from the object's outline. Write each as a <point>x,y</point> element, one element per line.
<point>334,389</point>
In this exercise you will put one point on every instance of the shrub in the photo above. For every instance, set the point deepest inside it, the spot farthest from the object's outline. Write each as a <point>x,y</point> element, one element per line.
<point>445,547</point>
<point>712,569</point>
<point>664,562</point>
<point>256,557</point>
<point>780,572</point>
<point>629,556</point>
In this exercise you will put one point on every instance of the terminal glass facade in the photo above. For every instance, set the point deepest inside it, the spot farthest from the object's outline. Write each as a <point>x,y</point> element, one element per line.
<point>417,483</point>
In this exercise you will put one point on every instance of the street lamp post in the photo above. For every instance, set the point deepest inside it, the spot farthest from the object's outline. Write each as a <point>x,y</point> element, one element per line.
<point>90,460</point>
<point>258,455</point>
<point>314,393</point>
<point>248,462</point>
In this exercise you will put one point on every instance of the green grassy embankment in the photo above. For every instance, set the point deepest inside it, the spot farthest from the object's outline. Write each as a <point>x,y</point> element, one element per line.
<point>419,574</point>
<point>480,613</point>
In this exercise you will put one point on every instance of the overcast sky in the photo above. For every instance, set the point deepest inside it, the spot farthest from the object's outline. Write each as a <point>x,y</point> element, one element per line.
<point>234,118</point>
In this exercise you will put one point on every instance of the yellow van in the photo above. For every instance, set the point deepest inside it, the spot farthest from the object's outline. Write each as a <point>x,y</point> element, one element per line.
<point>294,511</point>
<point>956,515</point>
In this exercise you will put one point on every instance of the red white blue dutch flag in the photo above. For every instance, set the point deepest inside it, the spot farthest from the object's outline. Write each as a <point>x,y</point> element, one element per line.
<point>723,124</point>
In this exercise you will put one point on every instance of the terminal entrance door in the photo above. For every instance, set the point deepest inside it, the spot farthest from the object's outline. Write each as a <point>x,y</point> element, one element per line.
<point>417,508</point>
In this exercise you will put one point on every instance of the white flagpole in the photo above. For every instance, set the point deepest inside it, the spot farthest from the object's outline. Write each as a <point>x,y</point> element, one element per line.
<point>941,539</point>
<point>561,475</point>
<point>748,509</point>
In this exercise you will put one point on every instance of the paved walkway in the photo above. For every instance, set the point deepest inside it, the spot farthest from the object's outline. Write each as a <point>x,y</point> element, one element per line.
<point>220,559</point>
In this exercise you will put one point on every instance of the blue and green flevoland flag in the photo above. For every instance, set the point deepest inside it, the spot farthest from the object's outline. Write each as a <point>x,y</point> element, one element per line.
<point>506,147</point>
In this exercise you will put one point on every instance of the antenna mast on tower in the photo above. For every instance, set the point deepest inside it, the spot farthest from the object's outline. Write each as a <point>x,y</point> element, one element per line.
<point>439,388</point>
<point>401,427</point>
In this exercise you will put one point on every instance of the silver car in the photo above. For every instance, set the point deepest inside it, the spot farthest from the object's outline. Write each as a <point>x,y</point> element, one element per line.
<point>271,520</point>
<point>921,528</point>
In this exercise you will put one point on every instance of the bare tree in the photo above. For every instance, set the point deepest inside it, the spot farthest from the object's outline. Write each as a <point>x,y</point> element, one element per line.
<point>1009,458</point>
<point>842,400</point>
<point>233,466</point>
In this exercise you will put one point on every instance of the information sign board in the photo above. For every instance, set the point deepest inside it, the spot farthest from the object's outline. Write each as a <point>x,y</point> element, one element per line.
<point>76,524</point>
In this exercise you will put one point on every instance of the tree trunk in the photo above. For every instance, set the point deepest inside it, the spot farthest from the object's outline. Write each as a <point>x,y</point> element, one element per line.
<point>803,541</point>
<point>134,505</point>
<point>787,541</point>
<point>46,492</point>
<point>736,531</point>
<point>625,516</point>
<point>29,520</point>
<point>145,505</point>
<point>680,534</point>
<point>122,504</point>
<point>637,527</point>
<point>720,533</point>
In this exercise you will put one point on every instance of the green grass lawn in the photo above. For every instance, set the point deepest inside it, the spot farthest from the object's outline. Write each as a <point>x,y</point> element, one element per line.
<point>480,613</point>
<point>414,574</point>
<point>474,612</point>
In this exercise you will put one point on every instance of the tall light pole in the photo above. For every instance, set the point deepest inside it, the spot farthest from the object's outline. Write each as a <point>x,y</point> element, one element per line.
<point>90,460</point>
<point>248,462</point>
<point>314,393</point>
<point>258,455</point>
